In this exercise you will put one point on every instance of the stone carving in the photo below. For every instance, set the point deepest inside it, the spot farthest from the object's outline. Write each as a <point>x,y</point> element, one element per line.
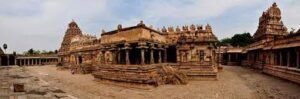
<point>119,27</point>
<point>164,29</point>
<point>192,27</point>
<point>178,29</point>
<point>170,29</point>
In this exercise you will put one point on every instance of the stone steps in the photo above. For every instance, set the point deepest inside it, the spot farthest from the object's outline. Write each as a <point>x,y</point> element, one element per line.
<point>199,71</point>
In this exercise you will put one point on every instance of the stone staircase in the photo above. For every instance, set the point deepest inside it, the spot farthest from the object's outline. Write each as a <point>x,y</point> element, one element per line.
<point>199,72</point>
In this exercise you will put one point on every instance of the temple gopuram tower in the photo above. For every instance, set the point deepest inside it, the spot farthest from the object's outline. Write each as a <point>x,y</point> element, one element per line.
<point>72,31</point>
<point>270,25</point>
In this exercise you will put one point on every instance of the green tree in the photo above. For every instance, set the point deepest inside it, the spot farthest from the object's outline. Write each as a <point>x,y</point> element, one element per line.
<point>242,40</point>
<point>30,51</point>
<point>224,42</point>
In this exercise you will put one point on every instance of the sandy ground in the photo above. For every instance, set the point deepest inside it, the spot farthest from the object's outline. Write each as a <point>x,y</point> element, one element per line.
<point>233,83</point>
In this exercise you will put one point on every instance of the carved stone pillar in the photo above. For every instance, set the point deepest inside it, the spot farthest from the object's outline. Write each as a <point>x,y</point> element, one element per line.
<point>159,53</point>
<point>127,57</point>
<point>113,51</point>
<point>180,56</point>
<point>165,54</point>
<point>151,54</point>
<point>159,56</point>
<point>142,46</point>
<point>142,56</point>
<point>127,53</point>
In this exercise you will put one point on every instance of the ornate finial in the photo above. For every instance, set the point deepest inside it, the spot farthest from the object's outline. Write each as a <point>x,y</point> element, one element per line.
<point>177,29</point>
<point>208,28</point>
<point>119,27</point>
<point>185,28</point>
<point>164,29</point>
<point>170,29</point>
<point>192,27</point>
<point>274,4</point>
<point>141,23</point>
<point>199,27</point>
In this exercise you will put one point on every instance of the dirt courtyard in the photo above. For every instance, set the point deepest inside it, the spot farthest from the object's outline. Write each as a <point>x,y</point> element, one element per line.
<point>233,83</point>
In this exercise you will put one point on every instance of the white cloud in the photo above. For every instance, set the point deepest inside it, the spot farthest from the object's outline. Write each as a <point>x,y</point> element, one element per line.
<point>45,28</point>
<point>192,8</point>
<point>40,24</point>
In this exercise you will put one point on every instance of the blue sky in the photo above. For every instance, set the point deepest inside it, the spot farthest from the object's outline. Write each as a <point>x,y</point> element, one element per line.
<point>41,24</point>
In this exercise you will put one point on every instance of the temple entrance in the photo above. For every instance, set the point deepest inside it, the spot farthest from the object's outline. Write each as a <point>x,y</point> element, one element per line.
<point>135,54</point>
<point>172,54</point>
<point>80,59</point>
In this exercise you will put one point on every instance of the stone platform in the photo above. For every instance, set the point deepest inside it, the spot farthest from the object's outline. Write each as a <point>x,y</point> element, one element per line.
<point>155,74</point>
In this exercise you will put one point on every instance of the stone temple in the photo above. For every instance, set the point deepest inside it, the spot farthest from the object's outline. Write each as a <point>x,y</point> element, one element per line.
<point>275,51</point>
<point>140,54</point>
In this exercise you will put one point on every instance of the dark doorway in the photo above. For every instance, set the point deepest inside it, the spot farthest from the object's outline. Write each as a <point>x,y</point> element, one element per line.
<point>134,54</point>
<point>147,56</point>
<point>80,59</point>
<point>171,54</point>
<point>7,60</point>
<point>4,61</point>
<point>11,60</point>
<point>155,56</point>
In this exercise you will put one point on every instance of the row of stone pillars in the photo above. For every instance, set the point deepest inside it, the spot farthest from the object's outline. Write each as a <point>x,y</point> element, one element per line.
<point>284,57</point>
<point>35,61</point>
<point>142,46</point>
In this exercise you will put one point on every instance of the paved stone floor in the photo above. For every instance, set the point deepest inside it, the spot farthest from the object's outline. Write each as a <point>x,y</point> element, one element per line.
<point>233,83</point>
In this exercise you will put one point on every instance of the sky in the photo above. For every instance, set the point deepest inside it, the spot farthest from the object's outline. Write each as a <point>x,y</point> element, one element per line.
<point>41,24</point>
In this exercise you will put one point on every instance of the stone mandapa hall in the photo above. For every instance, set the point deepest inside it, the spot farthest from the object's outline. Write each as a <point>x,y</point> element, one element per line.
<point>140,54</point>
